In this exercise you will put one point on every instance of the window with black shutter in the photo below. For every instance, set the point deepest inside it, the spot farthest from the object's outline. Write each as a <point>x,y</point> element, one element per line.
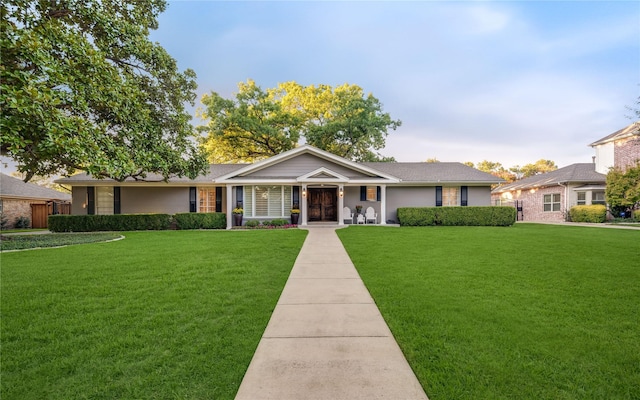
<point>116,200</point>
<point>193,205</point>
<point>91,200</point>
<point>464,196</point>
<point>438,196</point>
<point>218,199</point>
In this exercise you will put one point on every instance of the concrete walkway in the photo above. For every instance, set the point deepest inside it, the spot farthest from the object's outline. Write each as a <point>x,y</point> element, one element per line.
<point>326,338</point>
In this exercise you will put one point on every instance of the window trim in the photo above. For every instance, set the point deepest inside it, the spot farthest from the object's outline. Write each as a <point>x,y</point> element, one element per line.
<point>552,203</point>
<point>285,206</point>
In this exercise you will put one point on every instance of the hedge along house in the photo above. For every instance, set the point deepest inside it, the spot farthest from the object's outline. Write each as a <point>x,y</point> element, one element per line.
<point>321,184</point>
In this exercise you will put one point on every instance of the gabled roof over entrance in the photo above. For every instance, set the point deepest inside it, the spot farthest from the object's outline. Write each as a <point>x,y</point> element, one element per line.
<point>307,164</point>
<point>322,174</point>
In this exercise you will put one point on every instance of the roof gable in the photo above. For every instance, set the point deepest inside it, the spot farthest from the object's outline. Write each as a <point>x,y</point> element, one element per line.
<point>631,130</point>
<point>303,161</point>
<point>324,175</point>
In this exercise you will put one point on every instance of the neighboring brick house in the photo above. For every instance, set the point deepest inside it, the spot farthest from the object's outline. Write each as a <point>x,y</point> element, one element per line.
<point>620,149</point>
<point>549,196</point>
<point>19,199</point>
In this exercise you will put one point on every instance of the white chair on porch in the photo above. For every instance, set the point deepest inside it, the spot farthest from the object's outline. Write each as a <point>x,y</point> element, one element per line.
<point>371,216</point>
<point>347,215</point>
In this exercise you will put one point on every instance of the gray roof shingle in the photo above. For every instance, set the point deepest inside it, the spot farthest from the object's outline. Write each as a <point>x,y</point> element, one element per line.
<point>215,171</point>
<point>574,173</point>
<point>435,172</point>
<point>412,172</point>
<point>16,188</point>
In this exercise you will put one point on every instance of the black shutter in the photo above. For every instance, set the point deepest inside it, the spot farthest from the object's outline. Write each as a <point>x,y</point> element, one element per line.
<point>219,199</point>
<point>296,196</point>
<point>193,204</point>
<point>464,196</point>
<point>91,200</point>
<point>239,197</point>
<point>378,190</point>
<point>116,199</point>
<point>363,193</point>
<point>438,196</point>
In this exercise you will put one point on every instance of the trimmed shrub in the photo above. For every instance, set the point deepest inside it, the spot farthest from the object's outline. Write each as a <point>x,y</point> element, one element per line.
<point>200,220</point>
<point>279,222</point>
<point>252,223</point>
<point>592,213</point>
<point>457,216</point>
<point>118,222</point>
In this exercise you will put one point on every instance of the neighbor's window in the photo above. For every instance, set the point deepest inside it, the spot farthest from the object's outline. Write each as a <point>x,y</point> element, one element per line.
<point>104,200</point>
<point>582,198</point>
<point>552,202</point>
<point>267,201</point>
<point>598,198</point>
<point>449,196</point>
<point>207,200</point>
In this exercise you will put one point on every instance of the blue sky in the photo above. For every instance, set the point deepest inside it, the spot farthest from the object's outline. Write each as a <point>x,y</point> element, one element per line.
<point>511,82</point>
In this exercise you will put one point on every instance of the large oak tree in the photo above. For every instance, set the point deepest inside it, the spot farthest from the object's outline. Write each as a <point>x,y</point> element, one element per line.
<point>258,124</point>
<point>83,88</point>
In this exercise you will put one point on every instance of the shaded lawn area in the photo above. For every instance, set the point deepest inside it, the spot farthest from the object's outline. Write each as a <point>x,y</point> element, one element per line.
<point>158,315</point>
<point>31,241</point>
<point>525,312</point>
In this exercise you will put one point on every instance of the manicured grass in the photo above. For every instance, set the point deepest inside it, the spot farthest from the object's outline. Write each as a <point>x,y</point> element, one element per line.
<point>32,241</point>
<point>158,315</point>
<point>525,312</point>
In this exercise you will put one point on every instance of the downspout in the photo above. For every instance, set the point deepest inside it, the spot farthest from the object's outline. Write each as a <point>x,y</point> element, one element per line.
<point>566,201</point>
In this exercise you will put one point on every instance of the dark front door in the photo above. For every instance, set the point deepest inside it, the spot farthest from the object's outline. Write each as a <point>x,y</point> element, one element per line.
<point>323,205</point>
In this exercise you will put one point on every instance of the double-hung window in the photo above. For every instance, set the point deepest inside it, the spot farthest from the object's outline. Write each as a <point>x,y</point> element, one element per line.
<point>449,196</point>
<point>104,200</point>
<point>551,202</point>
<point>267,201</point>
<point>598,198</point>
<point>582,198</point>
<point>206,200</point>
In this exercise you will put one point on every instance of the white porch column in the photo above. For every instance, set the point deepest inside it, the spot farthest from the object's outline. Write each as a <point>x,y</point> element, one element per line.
<point>303,206</point>
<point>383,204</point>
<point>229,206</point>
<point>340,204</point>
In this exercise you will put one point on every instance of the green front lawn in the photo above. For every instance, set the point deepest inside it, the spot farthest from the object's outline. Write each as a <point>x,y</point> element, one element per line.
<point>525,312</point>
<point>158,315</point>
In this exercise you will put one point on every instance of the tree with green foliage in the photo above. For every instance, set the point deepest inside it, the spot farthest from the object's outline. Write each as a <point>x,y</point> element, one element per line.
<point>260,124</point>
<point>252,127</point>
<point>539,167</point>
<point>496,169</point>
<point>623,187</point>
<point>83,88</point>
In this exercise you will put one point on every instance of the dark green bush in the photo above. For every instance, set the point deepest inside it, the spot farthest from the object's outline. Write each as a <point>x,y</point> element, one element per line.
<point>592,213</point>
<point>457,216</point>
<point>22,223</point>
<point>118,222</point>
<point>279,222</point>
<point>200,220</point>
<point>252,223</point>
